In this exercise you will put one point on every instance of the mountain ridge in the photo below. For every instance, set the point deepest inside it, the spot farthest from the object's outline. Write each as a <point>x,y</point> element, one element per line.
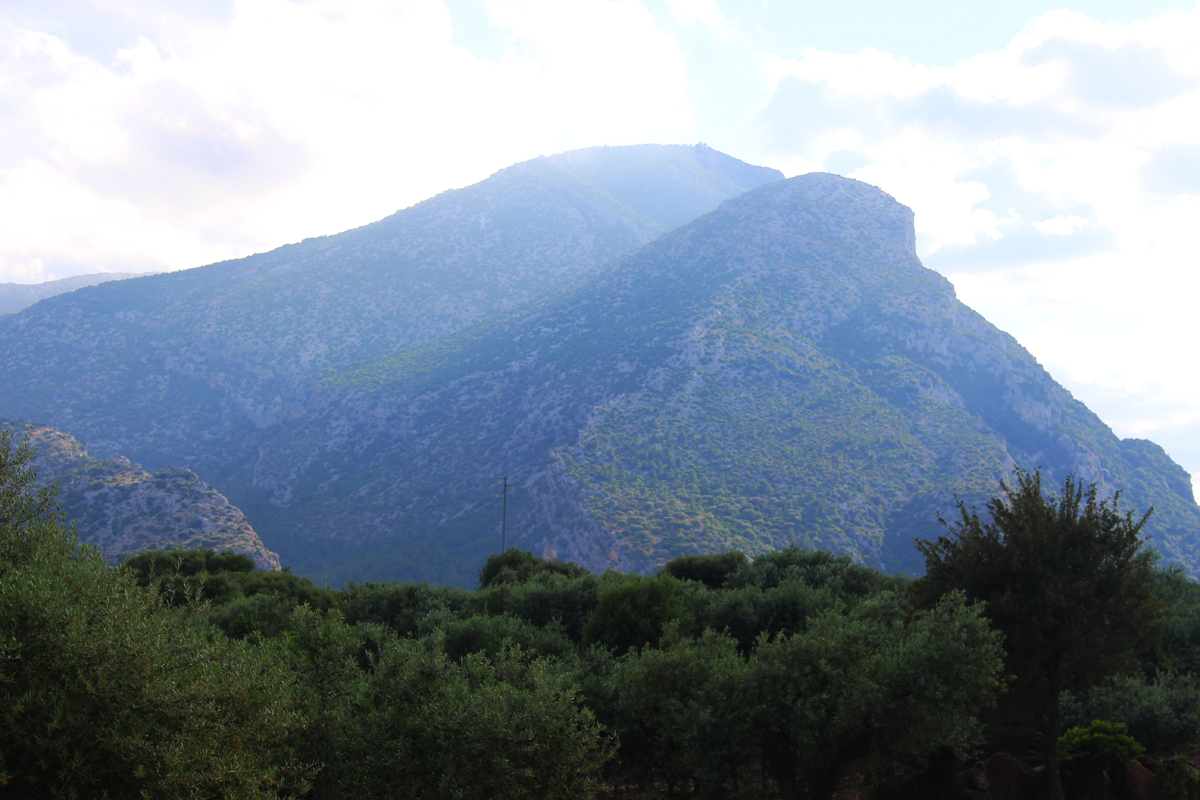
<point>16,296</point>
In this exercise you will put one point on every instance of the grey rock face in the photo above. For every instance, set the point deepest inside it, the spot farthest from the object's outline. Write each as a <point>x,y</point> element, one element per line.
<point>121,509</point>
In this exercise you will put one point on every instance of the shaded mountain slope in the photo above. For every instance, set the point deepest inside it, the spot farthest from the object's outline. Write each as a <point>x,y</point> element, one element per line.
<point>186,367</point>
<point>780,370</point>
<point>122,509</point>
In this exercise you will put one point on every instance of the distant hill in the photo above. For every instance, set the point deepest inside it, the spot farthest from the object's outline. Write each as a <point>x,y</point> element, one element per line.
<point>16,296</point>
<point>122,509</point>
<point>780,369</point>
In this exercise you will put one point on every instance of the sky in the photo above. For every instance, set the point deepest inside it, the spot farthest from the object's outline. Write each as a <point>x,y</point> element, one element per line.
<point>1051,154</point>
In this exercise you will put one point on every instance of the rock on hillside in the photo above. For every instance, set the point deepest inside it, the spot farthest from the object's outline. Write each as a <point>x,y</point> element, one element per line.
<point>780,370</point>
<point>122,509</point>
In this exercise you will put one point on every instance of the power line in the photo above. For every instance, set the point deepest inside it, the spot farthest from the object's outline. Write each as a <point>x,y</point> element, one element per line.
<point>504,512</point>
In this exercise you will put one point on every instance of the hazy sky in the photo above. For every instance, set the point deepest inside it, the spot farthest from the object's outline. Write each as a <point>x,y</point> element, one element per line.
<point>1052,156</point>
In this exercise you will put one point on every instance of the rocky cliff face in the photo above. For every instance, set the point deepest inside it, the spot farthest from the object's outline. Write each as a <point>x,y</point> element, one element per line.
<point>122,509</point>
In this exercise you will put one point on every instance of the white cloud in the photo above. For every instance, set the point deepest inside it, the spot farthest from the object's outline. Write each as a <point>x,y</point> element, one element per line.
<point>1062,226</point>
<point>292,119</point>
<point>703,13</point>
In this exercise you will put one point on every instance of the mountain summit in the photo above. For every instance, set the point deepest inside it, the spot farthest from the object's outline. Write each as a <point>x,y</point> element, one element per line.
<point>781,369</point>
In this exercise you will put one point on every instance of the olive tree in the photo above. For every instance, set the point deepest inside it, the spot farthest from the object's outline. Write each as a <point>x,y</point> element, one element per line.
<point>872,689</point>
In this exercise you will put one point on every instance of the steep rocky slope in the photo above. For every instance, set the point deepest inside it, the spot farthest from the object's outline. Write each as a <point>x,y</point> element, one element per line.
<point>122,509</point>
<point>780,370</point>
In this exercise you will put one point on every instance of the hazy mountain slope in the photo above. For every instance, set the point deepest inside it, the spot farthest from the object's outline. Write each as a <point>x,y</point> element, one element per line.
<point>15,296</point>
<point>186,367</point>
<point>782,369</point>
<point>669,184</point>
<point>122,509</point>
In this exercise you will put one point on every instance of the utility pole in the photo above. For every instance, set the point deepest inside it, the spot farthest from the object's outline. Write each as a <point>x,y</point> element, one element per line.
<point>504,511</point>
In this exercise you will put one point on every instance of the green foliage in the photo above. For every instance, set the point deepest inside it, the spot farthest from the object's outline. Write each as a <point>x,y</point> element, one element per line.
<point>1066,579</point>
<point>241,599</point>
<point>493,634</point>
<point>817,568</point>
<point>548,598</point>
<point>397,718</point>
<point>400,606</point>
<point>711,570</point>
<point>517,566</point>
<point>1163,713</point>
<point>1100,747</point>
<point>152,564</point>
<point>780,591</point>
<point>873,689</point>
<point>679,717</point>
<point>104,693</point>
<point>20,503</point>
<point>183,575</point>
<point>1181,629</point>
<point>632,613</point>
<point>1175,780</point>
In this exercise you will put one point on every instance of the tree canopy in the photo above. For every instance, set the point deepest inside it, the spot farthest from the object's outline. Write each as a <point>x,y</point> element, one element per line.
<point>1066,578</point>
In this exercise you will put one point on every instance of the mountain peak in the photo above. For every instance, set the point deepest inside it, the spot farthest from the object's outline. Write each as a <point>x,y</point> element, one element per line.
<point>669,183</point>
<point>828,207</point>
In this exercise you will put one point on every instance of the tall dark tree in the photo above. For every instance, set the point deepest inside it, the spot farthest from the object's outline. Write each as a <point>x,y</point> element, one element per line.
<point>1068,581</point>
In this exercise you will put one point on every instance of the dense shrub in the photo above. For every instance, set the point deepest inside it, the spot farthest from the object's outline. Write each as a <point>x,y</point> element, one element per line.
<point>515,566</point>
<point>632,612</point>
<point>409,722</point>
<point>1163,713</point>
<point>711,570</point>
<point>1101,746</point>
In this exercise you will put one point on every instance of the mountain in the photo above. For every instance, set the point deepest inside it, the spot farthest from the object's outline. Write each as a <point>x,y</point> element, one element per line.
<point>16,296</point>
<point>780,370</point>
<point>197,367</point>
<point>122,509</point>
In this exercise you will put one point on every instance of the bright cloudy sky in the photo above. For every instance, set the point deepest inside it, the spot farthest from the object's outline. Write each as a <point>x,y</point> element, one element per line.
<point>1052,155</point>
